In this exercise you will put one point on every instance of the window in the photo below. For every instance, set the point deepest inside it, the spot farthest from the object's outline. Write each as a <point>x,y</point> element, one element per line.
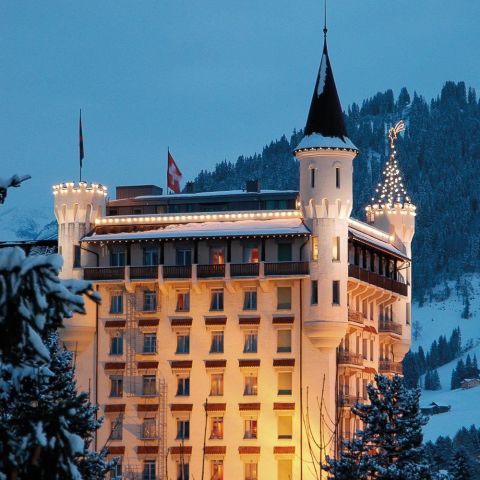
<point>312,177</point>
<point>117,428</point>
<point>285,427</point>
<point>116,386</point>
<point>183,301</point>
<point>407,313</point>
<point>183,471</point>
<point>336,249</point>
<point>217,428</point>
<point>149,467</point>
<point>117,259</point>
<point>251,341</point>
<point>284,298</point>
<point>250,428</point>
<point>216,302</point>
<point>77,256</point>
<point>284,469</point>
<point>216,384</point>
<point>183,343</point>
<point>116,344</point>
<point>284,383</point>
<point>250,299</point>
<point>150,256</point>
<point>149,428</point>
<point>183,386</point>
<point>116,471</point>
<point>314,249</point>
<point>314,293</point>
<point>337,177</point>
<point>251,253</point>
<point>149,385</point>
<point>251,385</point>
<point>365,391</point>
<point>217,255</point>
<point>284,340</point>
<point>150,343</point>
<point>183,256</point>
<point>216,470</point>
<point>116,302</point>
<point>149,301</point>
<point>284,252</point>
<point>365,349</point>
<point>371,350</point>
<point>336,292</point>
<point>183,429</point>
<point>217,342</point>
<point>251,471</point>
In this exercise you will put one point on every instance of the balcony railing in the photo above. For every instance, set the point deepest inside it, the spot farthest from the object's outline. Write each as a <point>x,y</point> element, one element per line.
<point>287,268</point>
<point>378,280</point>
<point>386,326</point>
<point>211,270</point>
<point>357,317</point>
<point>140,273</point>
<point>244,269</point>
<point>346,400</point>
<point>388,366</point>
<point>104,273</point>
<point>349,358</point>
<point>177,271</point>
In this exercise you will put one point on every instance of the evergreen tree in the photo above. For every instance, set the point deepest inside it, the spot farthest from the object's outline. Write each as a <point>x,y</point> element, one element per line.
<point>432,380</point>
<point>390,445</point>
<point>461,469</point>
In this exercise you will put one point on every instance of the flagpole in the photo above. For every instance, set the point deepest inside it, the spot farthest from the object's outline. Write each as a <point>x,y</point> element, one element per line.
<point>166,178</point>
<point>80,144</point>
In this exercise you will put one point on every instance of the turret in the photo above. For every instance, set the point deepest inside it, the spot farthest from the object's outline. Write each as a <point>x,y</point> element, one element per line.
<point>77,206</point>
<point>326,165</point>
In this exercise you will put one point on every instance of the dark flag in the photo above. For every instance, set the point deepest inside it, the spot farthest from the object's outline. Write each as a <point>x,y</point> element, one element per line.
<point>80,138</point>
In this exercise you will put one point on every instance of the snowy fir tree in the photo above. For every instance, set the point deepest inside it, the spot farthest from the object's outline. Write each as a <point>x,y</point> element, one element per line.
<point>43,438</point>
<point>432,380</point>
<point>390,445</point>
<point>461,468</point>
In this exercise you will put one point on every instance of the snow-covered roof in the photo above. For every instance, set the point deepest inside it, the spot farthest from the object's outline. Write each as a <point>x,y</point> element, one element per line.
<point>316,140</point>
<point>376,242</point>
<point>240,228</point>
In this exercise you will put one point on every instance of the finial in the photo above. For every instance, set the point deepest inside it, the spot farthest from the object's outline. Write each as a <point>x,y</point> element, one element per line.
<point>325,29</point>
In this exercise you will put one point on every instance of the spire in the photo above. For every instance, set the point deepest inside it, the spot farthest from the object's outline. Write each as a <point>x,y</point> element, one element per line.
<point>392,190</point>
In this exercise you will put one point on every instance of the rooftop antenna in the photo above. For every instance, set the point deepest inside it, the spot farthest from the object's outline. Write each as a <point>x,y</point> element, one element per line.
<point>325,29</point>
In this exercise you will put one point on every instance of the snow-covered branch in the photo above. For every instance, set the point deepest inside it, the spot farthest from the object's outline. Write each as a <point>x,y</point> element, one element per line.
<point>14,181</point>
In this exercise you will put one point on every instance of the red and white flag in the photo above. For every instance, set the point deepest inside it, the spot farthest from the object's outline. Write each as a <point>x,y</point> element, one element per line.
<point>174,175</point>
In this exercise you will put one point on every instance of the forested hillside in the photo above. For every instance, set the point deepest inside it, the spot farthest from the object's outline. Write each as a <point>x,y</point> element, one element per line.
<point>439,155</point>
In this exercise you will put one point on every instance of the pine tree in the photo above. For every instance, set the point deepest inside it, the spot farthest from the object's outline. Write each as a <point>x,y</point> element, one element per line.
<point>461,469</point>
<point>390,445</point>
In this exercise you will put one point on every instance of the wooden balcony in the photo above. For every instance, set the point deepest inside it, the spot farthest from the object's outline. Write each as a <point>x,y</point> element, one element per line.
<point>177,271</point>
<point>244,269</point>
<point>286,268</point>
<point>104,273</point>
<point>388,366</point>
<point>356,317</point>
<point>386,326</point>
<point>143,273</point>
<point>211,271</point>
<point>378,280</point>
<point>349,358</point>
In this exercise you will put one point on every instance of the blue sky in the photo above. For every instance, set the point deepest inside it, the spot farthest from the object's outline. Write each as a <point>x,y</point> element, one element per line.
<point>212,79</point>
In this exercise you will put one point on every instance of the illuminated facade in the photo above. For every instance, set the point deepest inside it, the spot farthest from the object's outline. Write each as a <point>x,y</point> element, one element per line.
<point>236,327</point>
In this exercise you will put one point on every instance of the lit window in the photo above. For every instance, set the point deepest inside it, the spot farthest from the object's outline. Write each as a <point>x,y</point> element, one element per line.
<point>251,385</point>
<point>216,470</point>
<point>217,342</point>
<point>216,302</point>
<point>217,428</point>
<point>116,386</point>
<point>250,428</point>
<point>149,301</point>
<point>336,249</point>
<point>183,343</point>
<point>251,341</point>
<point>285,427</point>
<point>284,383</point>
<point>250,299</point>
<point>284,298</point>
<point>149,468</point>
<point>150,256</point>
<point>251,253</point>
<point>183,429</point>
<point>183,256</point>
<point>336,292</point>
<point>150,343</point>
<point>251,471</point>
<point>116,344</point>
<point>149,385</point>
<point>216,384</point>
<point>217,255</point>
<point>116,302</point>
<point>149,428</point>
<point>284,341</point>
<point>183,301</point>
<point>116,428</point>
<point>314,292</point>
<point>183,386</point>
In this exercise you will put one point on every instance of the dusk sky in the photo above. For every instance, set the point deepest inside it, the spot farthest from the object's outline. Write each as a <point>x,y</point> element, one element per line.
<point>212,80</point>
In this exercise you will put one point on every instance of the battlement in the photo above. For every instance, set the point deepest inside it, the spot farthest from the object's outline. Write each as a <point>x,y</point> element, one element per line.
<point>80,187</point>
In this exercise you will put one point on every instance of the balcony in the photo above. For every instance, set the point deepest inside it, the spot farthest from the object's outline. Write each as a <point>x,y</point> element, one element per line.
<point>286,268</point>
<point>143,273</point>
<point>244,269</point>
<point>388,366</point>
<point>177,271</point>
<point>386,326</point>
<point>104,273</point>
<point>346,400</point>
<point>378,280</point>
<point>356,317</point>
<point>349,358</point>
<point>211,271</point>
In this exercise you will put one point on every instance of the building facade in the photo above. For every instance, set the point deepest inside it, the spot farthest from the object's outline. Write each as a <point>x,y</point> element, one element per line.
<point>236,328</point>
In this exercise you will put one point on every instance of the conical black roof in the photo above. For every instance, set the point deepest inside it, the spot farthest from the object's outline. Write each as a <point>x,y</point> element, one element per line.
<point>325,116</point>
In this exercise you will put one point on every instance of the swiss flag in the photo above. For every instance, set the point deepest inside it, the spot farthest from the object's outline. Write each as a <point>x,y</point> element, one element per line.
<point>174,175</point>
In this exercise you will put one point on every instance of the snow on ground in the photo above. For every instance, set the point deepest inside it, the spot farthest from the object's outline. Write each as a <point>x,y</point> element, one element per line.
<point>440,318</point>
